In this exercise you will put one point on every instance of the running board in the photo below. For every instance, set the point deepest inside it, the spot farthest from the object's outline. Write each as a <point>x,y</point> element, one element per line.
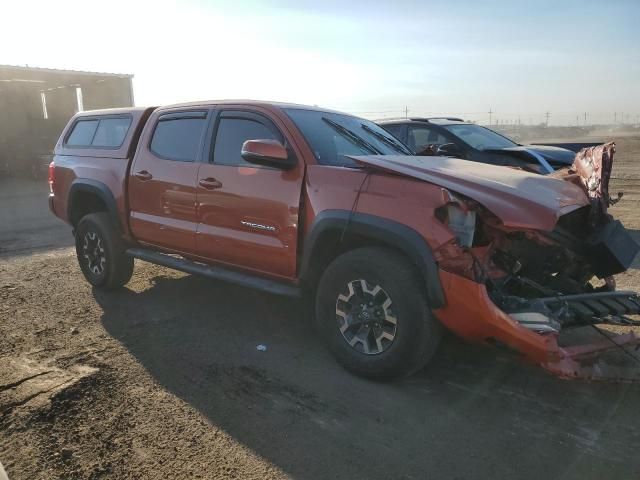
<point>217,273</point>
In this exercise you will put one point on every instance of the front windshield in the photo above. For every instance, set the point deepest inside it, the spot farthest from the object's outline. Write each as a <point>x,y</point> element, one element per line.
<point>333,136</point>
<point>479,137</point>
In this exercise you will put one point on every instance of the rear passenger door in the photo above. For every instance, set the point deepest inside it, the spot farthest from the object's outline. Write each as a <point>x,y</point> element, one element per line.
<point>162,183</point>
<point>247,213</point>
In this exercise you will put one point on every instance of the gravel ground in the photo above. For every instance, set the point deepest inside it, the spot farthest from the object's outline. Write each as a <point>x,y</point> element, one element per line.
<point>163,379</point>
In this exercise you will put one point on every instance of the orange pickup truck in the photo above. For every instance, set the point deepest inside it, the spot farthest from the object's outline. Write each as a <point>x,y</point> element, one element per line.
<point>389,246</point>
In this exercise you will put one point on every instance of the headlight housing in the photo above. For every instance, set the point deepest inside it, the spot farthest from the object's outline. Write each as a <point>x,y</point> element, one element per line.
<point>460,219</point>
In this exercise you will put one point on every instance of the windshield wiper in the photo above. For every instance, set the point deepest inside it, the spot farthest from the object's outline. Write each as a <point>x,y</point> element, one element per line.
<point>349,135</point>
<point>388,140</point>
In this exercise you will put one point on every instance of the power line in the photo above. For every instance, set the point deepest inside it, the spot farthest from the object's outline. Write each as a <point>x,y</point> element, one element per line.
<point>507,118</point>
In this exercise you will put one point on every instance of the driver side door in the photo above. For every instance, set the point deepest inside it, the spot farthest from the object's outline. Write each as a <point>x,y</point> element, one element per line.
<point>247,213</point>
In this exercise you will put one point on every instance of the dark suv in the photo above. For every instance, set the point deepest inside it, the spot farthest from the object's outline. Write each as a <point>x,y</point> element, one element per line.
<point>453,137</point>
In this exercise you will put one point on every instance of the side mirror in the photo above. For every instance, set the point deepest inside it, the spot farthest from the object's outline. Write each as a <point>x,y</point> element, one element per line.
<point>449,150</point>
<point>267,152</point>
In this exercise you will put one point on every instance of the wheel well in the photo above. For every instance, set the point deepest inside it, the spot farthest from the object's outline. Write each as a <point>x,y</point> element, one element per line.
<point>334,232</point>
<point>332,243</point>
<point>84,203</point>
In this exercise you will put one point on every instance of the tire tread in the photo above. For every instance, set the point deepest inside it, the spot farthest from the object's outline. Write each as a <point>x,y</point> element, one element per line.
<point>121,268</point>
<point>417,349</point>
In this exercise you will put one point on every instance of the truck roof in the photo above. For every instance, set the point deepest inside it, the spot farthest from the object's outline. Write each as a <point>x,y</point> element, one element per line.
<point>252,103</point>
<point>208,103</point>
<point>139,115</point>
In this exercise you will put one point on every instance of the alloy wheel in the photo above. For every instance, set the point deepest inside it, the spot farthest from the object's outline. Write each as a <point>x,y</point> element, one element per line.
<point>365,317</point>
<point>93,253</point>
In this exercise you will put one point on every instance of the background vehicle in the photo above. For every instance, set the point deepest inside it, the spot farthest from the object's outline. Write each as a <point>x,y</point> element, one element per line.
<point>292,199</point>
<point>453,137</point>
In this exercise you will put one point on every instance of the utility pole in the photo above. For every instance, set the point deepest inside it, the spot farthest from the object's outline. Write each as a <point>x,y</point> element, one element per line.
<point>406,112</point>
<point>490,112</point>
<point>547,115</point>
<point>585,119</point>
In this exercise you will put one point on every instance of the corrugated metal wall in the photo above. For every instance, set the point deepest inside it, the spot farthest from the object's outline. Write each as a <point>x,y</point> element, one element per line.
<point>25,133</point>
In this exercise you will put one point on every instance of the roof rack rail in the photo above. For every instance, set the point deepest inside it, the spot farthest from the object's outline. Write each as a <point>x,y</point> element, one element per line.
<point>426,119</point>
<point>389,119</point>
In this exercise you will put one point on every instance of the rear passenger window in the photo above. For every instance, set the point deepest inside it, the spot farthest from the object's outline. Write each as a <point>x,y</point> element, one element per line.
<point>111,132</point>
<point>177,137</point>
<point>82,133</point>
<point>232,133</point>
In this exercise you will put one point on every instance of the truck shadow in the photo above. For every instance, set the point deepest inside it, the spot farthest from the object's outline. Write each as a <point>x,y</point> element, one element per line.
<point>473,412</point>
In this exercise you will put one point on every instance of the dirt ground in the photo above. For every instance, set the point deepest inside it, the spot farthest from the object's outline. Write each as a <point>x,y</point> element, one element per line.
<point>162,379</point>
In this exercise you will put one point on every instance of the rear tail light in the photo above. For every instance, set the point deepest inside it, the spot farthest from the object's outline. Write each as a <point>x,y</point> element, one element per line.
<point>52,176</point>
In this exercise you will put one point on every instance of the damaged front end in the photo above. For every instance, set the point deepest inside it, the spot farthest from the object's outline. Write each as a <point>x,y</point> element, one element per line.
<point>522,287</point>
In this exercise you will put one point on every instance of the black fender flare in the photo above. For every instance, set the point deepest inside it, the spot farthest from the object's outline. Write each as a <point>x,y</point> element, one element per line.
<point>396,235</point>
<point>100,190</point>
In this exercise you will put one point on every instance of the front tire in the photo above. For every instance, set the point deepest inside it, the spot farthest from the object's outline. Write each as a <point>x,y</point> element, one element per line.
<point>372,311</point>
<point>101,252</point>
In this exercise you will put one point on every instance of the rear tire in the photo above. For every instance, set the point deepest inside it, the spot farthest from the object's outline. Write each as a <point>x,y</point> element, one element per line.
<point>101,252</point>
<point>372,311</point>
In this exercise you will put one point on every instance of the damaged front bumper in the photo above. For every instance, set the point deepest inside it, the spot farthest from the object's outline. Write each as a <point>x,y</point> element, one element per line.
<point>551,314</point>
<point>578,361</point>
<point>471,314</point>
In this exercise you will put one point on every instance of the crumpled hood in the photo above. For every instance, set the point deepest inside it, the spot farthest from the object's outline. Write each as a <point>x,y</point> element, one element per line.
<point>520,199</point>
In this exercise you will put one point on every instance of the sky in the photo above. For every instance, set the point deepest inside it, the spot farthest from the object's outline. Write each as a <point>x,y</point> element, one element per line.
<point>518,59</point>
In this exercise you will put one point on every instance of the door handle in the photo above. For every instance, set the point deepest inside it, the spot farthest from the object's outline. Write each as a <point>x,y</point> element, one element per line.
<point>143,175</point>
<point>210,183</point>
